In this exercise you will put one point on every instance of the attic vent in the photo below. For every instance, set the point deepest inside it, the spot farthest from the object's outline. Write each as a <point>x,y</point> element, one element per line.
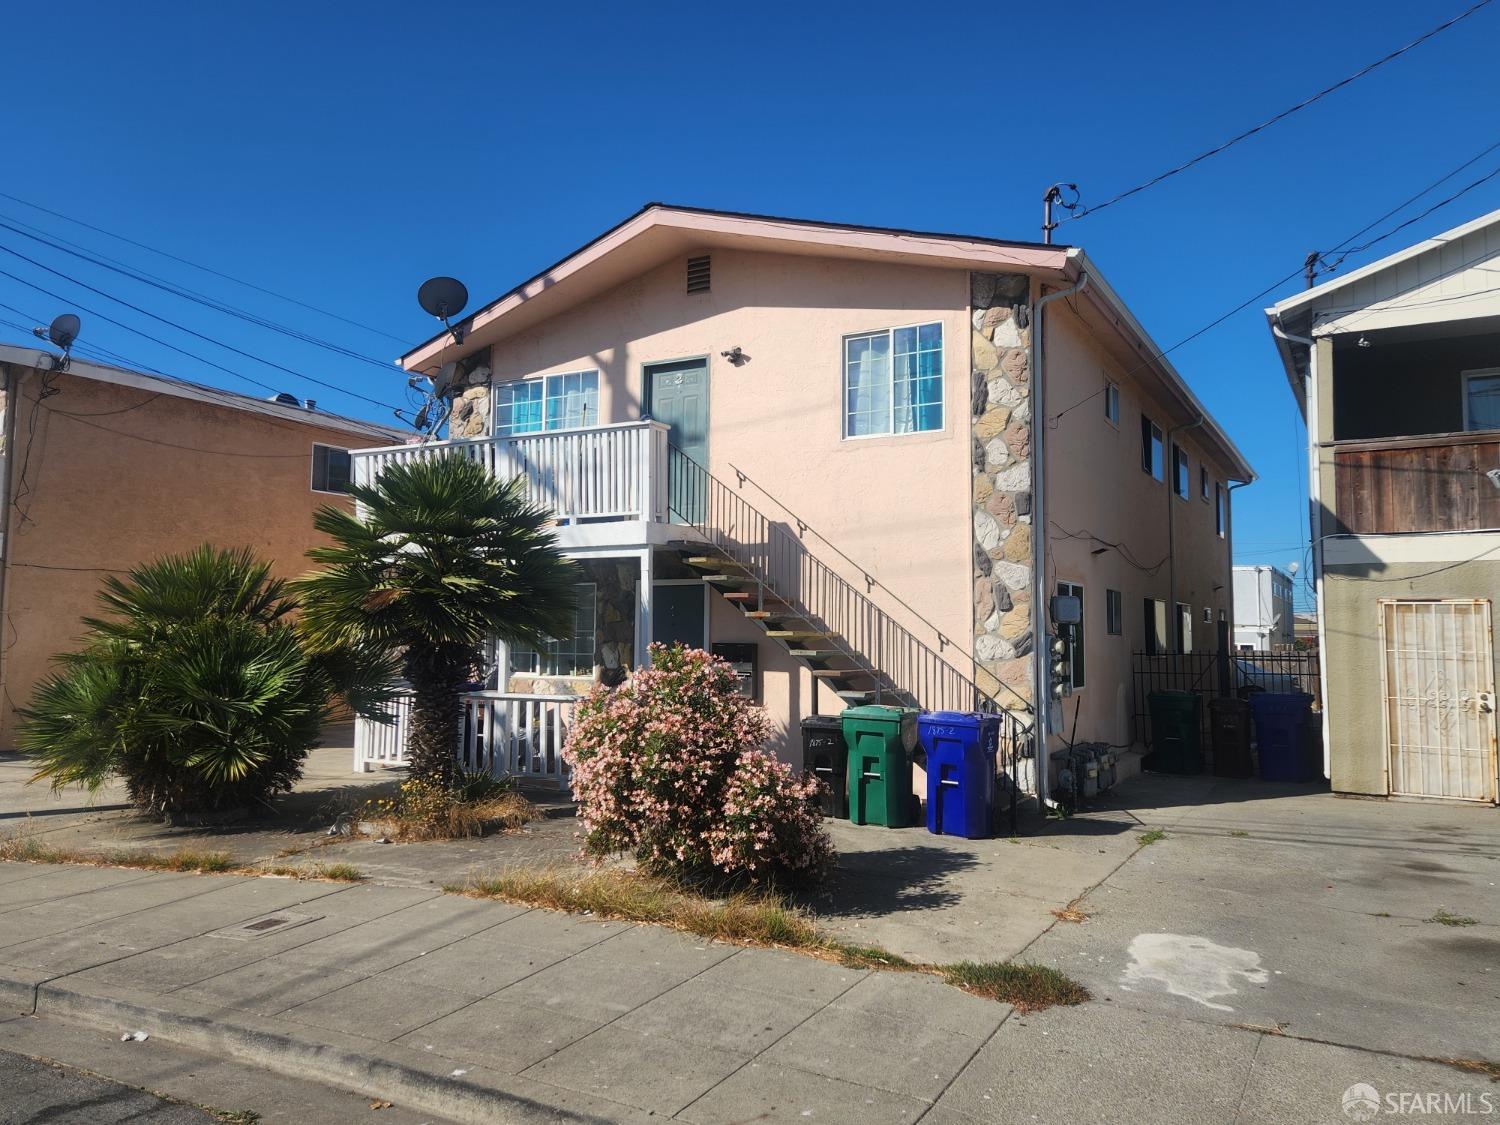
<point>697,274</point>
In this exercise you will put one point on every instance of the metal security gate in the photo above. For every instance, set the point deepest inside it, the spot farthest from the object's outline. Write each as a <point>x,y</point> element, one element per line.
<point>1438,680</point>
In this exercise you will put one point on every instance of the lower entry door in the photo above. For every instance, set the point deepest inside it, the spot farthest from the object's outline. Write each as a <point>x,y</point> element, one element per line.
<point>1438,673</point>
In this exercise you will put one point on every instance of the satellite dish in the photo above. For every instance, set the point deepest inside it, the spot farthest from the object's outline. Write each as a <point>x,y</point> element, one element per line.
<point>64,330</point>
<point>442,297</point>
<point>445,377</point>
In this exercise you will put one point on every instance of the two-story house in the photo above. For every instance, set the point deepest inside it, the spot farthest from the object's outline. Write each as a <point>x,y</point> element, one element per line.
<point>105,468</point>
<point>1396,367</point>
<point>860,462</point>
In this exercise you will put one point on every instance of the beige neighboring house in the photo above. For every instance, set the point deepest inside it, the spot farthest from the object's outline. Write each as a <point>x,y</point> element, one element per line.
<point>105,468</point>
<point>829,452</point>
<point>1396,367</point>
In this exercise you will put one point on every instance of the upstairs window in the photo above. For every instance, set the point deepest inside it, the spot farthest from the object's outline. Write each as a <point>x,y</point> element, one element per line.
<point>1180,474</point>
<point>1151,448</point>
<point>1221,523</point>
<point>1482,400</point>
<point>1112,404</point>
<point>1155,625</point>
<point>1114,613</point>
<point>568,401</point>
<point>893,381</point>
<point>1203,482</point>
<point>332,469</point>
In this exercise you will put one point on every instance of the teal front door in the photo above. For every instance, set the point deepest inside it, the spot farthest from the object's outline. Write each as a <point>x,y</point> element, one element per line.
<point>677,394</point>
<point>677,614</point>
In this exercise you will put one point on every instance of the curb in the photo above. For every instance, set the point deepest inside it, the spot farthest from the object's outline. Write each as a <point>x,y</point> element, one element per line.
<point>414,1079</point>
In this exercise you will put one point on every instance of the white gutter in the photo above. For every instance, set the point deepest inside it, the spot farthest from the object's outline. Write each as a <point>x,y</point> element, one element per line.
<point>1039,602</point>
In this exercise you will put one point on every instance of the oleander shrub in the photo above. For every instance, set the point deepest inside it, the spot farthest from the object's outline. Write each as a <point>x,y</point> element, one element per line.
<point>671,768</point>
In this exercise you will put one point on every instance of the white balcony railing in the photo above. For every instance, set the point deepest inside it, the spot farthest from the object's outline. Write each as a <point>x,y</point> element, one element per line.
<point>614,472</point>
<point>504,734</point>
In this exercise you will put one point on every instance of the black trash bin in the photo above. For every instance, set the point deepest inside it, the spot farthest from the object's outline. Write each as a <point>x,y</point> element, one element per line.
<point>1176,742</point>
<point>1229,720</point>
<point>826,757</point>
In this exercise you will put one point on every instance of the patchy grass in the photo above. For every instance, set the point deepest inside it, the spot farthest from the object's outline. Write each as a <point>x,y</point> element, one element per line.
<point>1026,987</point>
<point>1147,838</point>
<point>237,1116</point>
<point>757,919</point>
<point>338,873</point>
<point>631,897</point>
<point>478,804</point>
<point>1238,832</point>
<point>1441,917</point>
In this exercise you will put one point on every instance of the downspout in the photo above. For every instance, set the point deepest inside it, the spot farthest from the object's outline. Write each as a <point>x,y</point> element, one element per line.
<point>1170,455</point>
<point>1039,602</point>
<point>10,387</point>
<point>1314,504</point>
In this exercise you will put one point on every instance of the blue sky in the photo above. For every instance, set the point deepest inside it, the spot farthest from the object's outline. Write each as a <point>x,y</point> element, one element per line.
<point>341,153</point>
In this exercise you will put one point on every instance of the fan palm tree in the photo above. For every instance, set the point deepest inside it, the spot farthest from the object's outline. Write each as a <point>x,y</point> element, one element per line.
<point>195,688</point>
<point>441,557</point>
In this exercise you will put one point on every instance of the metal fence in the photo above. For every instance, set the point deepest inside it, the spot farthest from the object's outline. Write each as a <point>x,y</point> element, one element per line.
<point>1216,675</point>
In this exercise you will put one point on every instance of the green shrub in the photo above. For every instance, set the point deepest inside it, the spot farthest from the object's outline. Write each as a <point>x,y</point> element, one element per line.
<point>195,690</point>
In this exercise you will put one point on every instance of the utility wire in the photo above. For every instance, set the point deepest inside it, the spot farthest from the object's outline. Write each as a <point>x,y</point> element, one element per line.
<point>198,266</point>
<point>182,328</point>
<point>1268,122</point>
<point>186,294</point>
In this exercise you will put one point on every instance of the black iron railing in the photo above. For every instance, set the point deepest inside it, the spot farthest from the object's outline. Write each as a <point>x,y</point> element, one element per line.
<point>1215,675</point>
<point>900,666</point>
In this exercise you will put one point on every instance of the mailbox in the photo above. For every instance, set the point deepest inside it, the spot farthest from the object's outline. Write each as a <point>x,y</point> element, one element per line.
<point>742,658</point>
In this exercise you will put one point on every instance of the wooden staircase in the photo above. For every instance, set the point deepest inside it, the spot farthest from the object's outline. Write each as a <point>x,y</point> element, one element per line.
<point>831,662</point>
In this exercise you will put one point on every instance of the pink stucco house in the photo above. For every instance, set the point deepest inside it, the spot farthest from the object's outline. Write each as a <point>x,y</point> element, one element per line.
<point>860,462</point>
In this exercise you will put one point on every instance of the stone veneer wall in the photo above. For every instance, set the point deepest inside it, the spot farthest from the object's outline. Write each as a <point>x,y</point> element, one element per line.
<point>1001,413</point>
<point>470,417</point>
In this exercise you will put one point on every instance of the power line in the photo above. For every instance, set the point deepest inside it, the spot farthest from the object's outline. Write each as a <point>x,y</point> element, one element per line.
<point>73,250</point>
<point>1268,122</point>
<point>198,266</point>
<point>191,332</point>
<point>180,328</point>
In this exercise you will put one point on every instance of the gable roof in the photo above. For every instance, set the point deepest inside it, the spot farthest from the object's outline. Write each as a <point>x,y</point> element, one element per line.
<point>660,231</point>
<point>198,392</point>
<point>1451,276</point>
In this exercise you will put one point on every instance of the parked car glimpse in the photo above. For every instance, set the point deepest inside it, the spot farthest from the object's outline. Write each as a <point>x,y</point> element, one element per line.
<point>1250,677</point>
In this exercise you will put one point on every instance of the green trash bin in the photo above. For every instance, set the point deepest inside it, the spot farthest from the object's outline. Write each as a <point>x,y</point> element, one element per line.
<point>1176,732</point>
<point>880,741</point>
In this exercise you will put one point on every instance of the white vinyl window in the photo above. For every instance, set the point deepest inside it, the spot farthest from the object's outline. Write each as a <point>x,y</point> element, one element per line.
<point>1482,399</point>
<point>893,381</point>
<point>1221,521</point>
<point>1184,627</point>
<point>566,656</point>
<point>1181,474</point>
<point>567,401</point>
<point>1152,451</point>
<point>332,469</point>
<point>1112,404</point>
<point>1114,613</point>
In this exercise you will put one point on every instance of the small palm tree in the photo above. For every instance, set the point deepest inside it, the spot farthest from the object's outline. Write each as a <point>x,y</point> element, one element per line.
<point>194,688</point>
<point>442,557</point>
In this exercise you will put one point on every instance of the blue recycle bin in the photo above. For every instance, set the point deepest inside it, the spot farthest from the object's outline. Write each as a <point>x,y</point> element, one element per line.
<point>961,748</point>
<point>1281,736</point>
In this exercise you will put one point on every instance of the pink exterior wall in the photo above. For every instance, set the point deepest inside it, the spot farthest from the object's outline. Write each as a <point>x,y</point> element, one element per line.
<point>899,505</point>
<point>1095,484</point>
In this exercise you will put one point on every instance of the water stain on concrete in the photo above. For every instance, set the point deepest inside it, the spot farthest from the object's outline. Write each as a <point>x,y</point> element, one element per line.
<point>1192,967</point>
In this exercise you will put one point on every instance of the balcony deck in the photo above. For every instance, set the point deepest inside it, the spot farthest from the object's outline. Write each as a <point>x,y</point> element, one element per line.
<point>1437,482</point>
<point>606,485</point>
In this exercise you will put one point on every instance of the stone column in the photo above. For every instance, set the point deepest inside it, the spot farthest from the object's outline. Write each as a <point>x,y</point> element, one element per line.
<point>1000,408</point>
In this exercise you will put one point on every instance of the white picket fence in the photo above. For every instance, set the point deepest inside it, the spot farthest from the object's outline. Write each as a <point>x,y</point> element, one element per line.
<point>504,734</point>
<point>604,472</point>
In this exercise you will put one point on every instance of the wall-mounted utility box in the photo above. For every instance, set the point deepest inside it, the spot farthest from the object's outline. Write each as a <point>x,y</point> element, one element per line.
<point>745,660</point>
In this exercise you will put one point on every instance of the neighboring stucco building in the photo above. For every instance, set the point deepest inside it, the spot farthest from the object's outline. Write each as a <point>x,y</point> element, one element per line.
<point>106,468</point>
<point>1396,367</point>
<point>847,439</point>
<point>1262,608</point>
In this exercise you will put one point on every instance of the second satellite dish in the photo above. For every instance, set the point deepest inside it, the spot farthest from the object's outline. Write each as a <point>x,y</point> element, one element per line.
<point>64,330</point>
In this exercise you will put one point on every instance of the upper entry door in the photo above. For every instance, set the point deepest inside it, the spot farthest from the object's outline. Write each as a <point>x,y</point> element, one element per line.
<point>677,394</point>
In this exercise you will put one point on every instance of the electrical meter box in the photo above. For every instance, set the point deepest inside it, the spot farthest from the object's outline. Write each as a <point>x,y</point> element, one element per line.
<point>744,658</point>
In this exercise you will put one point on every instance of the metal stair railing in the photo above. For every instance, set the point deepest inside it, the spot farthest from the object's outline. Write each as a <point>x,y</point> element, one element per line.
<point>780,564</point>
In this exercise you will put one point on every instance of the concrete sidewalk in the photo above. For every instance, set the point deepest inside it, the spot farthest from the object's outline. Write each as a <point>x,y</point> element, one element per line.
<point>481,1011</point>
